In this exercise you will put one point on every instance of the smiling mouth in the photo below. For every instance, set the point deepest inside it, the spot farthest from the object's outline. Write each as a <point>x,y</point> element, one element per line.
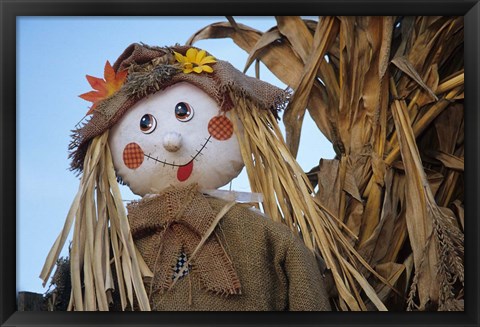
<point>194,157</point>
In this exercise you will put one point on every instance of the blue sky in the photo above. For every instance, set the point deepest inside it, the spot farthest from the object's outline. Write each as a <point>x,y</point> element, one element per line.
<point>53,56</point>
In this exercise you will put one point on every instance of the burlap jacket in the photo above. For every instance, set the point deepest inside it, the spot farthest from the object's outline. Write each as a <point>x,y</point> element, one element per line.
<point>267,266</point>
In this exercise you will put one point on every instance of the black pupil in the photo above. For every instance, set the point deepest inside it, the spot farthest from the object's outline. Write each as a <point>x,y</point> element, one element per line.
<point>146,122</point>
<point>181,110</point>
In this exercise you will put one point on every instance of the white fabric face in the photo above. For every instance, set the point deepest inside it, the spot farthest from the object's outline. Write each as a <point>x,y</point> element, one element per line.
<point>177,136</point>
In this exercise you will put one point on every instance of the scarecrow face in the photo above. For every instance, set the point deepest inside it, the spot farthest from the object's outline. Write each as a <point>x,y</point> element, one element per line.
<point>177,136</point>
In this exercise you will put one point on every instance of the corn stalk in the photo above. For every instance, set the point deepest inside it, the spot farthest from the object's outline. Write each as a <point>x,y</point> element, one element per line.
<point>387,92</point>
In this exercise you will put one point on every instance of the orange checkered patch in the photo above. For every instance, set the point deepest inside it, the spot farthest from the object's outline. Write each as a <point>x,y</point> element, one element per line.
<point>220,127</point>
<point>133,155</point>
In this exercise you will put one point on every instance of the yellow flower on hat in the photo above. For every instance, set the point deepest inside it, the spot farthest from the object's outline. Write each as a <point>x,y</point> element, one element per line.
<point>195,61</point>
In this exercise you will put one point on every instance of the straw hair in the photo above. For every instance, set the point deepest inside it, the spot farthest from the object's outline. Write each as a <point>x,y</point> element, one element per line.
<point>288,199</point>
<point>100,228</point>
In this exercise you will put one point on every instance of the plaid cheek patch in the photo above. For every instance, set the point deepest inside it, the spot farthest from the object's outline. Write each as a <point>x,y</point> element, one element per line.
<point>133,155</point>
<point>220,127</point>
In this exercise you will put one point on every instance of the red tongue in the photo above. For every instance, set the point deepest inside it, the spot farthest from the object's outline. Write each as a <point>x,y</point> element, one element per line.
<point>184,172</point>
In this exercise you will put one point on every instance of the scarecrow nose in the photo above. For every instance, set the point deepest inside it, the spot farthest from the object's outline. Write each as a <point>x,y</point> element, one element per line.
<point>172,141</point>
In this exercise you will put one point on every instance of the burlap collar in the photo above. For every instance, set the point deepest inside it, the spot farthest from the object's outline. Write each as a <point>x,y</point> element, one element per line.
<point>180,217</point>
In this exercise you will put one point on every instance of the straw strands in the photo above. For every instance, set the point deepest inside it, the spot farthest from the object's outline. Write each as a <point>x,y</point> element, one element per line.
<point>274,172</point>
<point>387,92</point>
<point>101,237</point>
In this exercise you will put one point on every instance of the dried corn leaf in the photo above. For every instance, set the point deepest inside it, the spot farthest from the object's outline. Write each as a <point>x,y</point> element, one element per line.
<point>280,59</point>
<point>405,66</point>
<point>407,25</point>
<point>293,116</point>
<point>348,97</point>
<point>277,56</point>
<point>460,212</point>
<point>374,248</point>
<point>424,122</point>
<point>419,221</point>
<point>268,39</point>
<point>353,217</point>
<point>449,129</point>
<point>323,113</point>
<point>431,81</point>
<point>329,185</point>
<point>369,291</point>
<point>450,161</point>
<point>297,33</point>
<point>322,99</point>
<point>245,37</point>
<point>435,180</point>
<point>392,272</point>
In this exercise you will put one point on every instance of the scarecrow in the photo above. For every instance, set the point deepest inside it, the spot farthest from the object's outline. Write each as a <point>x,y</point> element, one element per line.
<point>175,124</point>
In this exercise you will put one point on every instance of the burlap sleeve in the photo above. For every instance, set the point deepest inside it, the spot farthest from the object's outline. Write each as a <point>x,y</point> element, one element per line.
<point>306,289</point>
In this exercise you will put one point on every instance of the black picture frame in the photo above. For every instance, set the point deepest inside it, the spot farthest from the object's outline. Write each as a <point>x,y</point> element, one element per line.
<point>10,10</point>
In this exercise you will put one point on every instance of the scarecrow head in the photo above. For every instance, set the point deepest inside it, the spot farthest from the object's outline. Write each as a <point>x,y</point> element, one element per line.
<point>169,116</point>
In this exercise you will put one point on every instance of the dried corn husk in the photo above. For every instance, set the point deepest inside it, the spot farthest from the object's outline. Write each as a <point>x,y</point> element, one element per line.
<point>388,93</point>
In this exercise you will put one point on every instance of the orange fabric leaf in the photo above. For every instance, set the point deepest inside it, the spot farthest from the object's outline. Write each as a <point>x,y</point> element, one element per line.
<point>96,83</point>
<point>104,88</point>
<point>109,73</point>
<point>91,96</point>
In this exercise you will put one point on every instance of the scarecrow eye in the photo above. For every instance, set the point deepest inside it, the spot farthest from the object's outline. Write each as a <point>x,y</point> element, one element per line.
<point>148,123</point>
<point>183,111</point>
